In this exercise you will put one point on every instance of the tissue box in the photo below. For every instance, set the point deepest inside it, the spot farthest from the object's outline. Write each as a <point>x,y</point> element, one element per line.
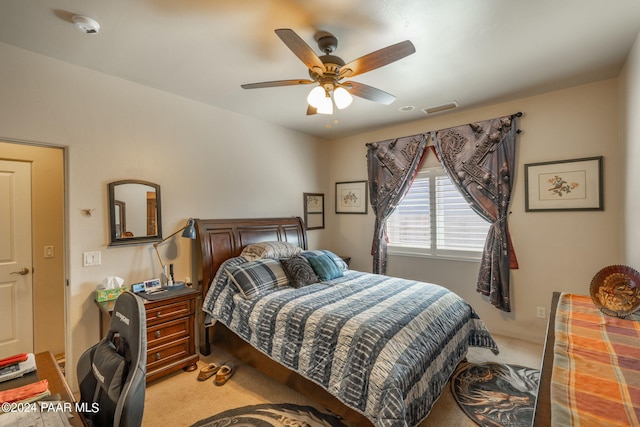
<point>103,295</point>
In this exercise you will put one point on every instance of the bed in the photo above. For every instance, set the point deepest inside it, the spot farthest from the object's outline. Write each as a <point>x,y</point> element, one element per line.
<point>374,349</point>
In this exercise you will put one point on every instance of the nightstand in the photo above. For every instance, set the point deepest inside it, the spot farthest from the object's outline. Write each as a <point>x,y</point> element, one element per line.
<point>170,331</point>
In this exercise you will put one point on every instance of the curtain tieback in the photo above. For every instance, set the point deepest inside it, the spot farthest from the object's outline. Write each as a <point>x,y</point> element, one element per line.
<point>502,218</point>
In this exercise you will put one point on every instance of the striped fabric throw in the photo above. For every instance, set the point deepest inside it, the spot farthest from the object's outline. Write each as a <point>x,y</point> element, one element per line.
<point>596,367</point>
<point>383,346</point>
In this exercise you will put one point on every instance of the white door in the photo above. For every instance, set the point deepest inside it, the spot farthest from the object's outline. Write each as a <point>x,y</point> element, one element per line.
<point>16,290</point>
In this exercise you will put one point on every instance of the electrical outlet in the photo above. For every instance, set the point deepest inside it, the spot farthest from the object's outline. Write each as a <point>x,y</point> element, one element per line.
<point>91,258</point>
<point>540,312</point>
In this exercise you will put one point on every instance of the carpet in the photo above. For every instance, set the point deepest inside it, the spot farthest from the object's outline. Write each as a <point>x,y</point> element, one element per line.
<point>496,395</point>
<point>268,415</point>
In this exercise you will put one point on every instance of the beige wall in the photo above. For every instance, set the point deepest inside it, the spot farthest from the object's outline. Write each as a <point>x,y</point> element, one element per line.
<point>630,154</point>
<point>47,217</point>
<point>557,251</point>
<point>210,163</point>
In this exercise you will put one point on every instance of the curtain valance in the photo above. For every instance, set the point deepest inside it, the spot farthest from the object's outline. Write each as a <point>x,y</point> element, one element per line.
<point>480,160</point>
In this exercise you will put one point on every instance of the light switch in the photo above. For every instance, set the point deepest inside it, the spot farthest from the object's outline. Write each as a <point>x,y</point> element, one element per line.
<point>48,252</point>
<point>91,258</point>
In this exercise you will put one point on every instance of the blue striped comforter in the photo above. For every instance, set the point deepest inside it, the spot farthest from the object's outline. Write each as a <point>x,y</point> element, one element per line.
<point>383,346</point>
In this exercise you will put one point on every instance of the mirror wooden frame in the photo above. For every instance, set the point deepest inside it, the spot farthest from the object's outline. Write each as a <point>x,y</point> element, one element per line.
<point>115,218</point>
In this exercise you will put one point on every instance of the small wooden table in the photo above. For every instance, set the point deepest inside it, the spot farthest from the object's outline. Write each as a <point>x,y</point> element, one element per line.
<point>542,414</point>
<point>47,369</point>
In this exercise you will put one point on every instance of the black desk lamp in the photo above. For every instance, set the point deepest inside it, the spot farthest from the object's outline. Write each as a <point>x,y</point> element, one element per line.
<point>189,233</point>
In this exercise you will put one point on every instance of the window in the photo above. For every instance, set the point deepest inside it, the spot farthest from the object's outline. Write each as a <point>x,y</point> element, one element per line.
<point>434,219</point>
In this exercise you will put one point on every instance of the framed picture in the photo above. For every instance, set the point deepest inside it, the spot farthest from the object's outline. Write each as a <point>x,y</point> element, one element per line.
<point>351,197</point>
<point>574,185</point>
<point>313,210</point>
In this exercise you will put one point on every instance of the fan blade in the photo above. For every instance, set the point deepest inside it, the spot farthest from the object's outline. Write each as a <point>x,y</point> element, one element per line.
<point>276,83</point>
<point>311,110</point>
<point>369,92</point>
<point>377,59</point>
<point>301,50</point>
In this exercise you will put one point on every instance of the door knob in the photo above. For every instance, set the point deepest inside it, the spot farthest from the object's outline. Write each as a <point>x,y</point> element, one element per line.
<point>22,271</point>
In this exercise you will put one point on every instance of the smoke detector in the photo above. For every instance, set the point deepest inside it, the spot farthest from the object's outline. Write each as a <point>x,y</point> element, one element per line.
<point>85,24</point>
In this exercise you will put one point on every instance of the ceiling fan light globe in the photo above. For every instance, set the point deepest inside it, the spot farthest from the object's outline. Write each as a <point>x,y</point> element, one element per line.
<point>342,98</point>
<point>326,106</point>
<point>316,96</point>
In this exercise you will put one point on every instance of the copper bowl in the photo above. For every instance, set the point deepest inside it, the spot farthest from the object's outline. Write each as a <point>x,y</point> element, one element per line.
<point>615,290</point>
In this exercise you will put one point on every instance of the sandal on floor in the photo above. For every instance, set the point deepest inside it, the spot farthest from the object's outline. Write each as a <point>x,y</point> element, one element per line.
<point>224,373</point>
<point>209,370</point>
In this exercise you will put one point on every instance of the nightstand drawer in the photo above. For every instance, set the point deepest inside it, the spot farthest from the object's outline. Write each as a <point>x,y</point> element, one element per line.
<point>168,331</point>
<point>164,354</point>
<point>162,313</point>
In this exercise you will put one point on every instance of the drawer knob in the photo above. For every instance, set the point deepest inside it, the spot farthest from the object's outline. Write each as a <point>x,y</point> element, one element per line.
<point>159,313</point>
<point>158,356</point>
<point>157,334</point>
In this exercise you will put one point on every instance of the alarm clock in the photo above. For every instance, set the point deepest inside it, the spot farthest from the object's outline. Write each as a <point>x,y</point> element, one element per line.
<point>152,285</point>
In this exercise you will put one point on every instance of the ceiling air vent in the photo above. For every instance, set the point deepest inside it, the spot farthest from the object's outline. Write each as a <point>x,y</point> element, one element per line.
<point>440,108</point>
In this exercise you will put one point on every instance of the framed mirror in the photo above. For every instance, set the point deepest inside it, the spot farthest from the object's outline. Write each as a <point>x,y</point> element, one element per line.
<point>313,210</point>
<point>134,212</point>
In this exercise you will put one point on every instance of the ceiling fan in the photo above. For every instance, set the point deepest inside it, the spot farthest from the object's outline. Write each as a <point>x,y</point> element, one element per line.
<point>328,71</point>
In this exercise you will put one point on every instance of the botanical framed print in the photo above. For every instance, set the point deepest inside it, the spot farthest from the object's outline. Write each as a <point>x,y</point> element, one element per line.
<point>574,185</point>
<point>313,210</point>
<point>351,197</point>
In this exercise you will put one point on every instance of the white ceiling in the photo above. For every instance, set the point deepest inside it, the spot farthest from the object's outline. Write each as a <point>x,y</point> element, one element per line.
<point>471,51</point>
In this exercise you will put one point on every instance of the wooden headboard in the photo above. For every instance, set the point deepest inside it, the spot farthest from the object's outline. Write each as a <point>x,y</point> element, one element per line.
<point>221,239</point>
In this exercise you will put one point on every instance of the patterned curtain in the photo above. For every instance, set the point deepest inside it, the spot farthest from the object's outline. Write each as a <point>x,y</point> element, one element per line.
<point>479,159</point>
<point>392,166</point>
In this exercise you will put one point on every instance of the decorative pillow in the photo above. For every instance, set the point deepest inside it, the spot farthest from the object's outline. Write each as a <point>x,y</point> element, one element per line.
<point>255,277</point>
<point>325,267</point>
<point>339,261</point>
<point>299,271</point>
<point>270,250</point>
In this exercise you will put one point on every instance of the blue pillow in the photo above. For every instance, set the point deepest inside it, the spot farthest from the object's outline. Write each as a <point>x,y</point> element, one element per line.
<point>338,260</point>
<point>324,267</point>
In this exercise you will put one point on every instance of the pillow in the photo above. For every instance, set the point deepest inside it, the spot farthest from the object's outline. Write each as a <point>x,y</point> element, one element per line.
<point>299,271</point>
<point>109,368</point>
<point>325,267</point>
<point>339,261</point>
<point>270,250</point>
<point>256,277</point>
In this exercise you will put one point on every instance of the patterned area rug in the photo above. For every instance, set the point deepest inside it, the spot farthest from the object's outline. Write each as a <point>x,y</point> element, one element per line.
<point>496,395</point>
<point>272,416</point>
